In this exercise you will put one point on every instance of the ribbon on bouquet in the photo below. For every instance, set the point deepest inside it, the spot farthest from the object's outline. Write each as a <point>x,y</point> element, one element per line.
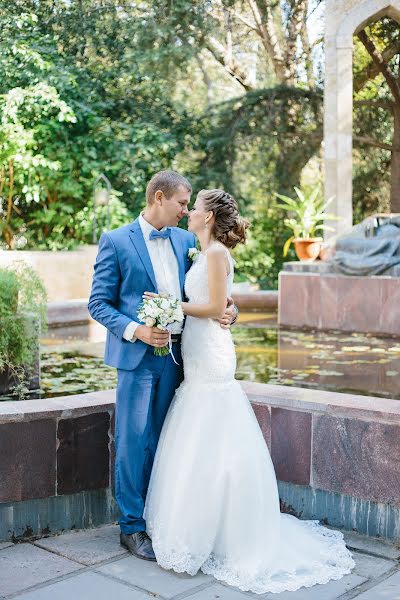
<point>170,348</point>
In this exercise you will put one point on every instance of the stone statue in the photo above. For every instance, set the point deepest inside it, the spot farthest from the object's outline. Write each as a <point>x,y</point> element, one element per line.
<point>372,247</point>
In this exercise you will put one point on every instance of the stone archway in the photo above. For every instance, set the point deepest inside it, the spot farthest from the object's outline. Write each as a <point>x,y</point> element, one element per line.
<point>343,19</point>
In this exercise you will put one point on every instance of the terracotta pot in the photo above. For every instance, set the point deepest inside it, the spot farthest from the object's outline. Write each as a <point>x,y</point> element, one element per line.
<point>307,249</point>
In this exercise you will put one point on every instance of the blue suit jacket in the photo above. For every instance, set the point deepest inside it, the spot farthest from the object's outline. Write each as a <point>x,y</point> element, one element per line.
<point>122,273</point>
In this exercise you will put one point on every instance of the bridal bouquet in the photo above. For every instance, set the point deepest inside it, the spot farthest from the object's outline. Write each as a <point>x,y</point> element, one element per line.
<point>161,312</point>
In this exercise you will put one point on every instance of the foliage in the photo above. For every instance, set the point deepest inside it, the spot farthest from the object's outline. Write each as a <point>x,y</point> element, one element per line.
<point>260,261</point>
<point>229,93</point>
<point>23,313</point>
<point>307,214</point>
<point>252,146</point>
<point>8,292</point>
<point>376,128</point>
<point>76,99</point>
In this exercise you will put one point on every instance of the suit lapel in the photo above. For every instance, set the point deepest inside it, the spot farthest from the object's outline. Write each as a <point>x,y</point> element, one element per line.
<point>137,239</point>
<point>179,253</point>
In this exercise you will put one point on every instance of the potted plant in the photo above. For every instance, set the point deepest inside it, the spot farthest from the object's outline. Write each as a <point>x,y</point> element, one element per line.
<point>306,219</point>
<point>23,308</point>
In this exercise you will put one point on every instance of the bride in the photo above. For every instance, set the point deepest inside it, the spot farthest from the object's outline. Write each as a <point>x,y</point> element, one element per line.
<point>213,503</point>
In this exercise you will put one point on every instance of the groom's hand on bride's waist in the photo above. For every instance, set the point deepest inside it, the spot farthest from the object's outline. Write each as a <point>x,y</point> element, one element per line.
<point>230,315</point>
<point>152,336</point>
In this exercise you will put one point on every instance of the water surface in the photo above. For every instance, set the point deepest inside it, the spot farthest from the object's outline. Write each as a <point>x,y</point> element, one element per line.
<point>72,359</point>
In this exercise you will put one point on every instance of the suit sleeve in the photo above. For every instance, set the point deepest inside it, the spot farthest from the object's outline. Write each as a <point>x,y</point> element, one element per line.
<point>105,289</point>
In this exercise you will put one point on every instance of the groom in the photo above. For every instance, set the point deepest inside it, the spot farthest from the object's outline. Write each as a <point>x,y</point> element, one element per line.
<point>150,254</point>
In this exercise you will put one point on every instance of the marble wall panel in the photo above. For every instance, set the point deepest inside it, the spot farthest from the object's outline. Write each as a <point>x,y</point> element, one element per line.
<point>83,460</point>
<point>291,445</point>
<point>263,414</point>
<point>357,458</point>
<point>27,465</point>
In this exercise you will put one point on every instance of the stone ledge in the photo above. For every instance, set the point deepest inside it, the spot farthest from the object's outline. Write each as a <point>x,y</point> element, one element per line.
<point>383,410</point>
<point>60,407</point>
<point>322,267</point>
<point>75,312</point>
<point>69,312</point>
<point>257,301</point>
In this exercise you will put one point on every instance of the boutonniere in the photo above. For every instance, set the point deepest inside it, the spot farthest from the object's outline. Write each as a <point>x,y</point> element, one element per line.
<point>193,254</point>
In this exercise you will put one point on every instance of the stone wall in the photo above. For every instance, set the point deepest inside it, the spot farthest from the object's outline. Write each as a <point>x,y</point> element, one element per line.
<point>66,275</point>
<point>339,302</point>
<point>337,458</point>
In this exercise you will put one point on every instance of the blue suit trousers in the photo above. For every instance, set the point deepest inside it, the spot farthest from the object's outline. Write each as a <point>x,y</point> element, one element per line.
<point>144,395</point>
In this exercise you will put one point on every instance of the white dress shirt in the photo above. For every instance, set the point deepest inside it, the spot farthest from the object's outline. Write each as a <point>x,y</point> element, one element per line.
<point>166,272</point>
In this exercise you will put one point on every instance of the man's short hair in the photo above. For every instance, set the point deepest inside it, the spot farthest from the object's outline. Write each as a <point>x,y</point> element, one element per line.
<point>167,182</point>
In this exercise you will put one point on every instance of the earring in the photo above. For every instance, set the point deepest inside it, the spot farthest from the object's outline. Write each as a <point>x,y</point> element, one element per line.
<point>205,225</point>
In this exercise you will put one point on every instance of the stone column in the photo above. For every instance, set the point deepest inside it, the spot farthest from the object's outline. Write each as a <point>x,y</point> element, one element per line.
<point>343,19</point>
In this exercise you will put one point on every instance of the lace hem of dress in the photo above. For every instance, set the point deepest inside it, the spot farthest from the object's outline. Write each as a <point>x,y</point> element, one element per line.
<point>334,563</point>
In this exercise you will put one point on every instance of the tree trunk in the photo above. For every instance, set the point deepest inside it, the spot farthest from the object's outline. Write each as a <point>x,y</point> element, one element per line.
<point>267,30</point>
<point>395,163</point>
<point>290,164</point>
<point>222,55</point>
<point>295,25</point>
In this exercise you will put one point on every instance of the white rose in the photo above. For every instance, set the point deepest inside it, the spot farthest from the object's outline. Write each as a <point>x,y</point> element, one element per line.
<point>178,315</point>
<point>164,304</point>
<point>192,254</point>
<point>150,322</point>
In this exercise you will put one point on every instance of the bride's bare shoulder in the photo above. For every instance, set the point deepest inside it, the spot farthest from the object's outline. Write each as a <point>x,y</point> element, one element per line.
<point>217,249</point>
<point>218,253</point>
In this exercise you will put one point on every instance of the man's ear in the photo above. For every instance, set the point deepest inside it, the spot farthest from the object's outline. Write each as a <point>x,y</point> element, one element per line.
<point>158,197</point>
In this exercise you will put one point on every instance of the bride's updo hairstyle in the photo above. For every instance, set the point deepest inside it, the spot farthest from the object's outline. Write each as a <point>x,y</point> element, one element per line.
<point>229,227</point>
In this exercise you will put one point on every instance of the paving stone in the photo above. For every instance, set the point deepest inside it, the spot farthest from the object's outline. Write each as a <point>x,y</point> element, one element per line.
<point>220,592</point>
<point>387,590</point>
<point>149,576</point>
<point>5,545</point>
<point>372,567</point>
<point>87,586</point>
<point>89,547</point>
<point>328,591</point>
<point>24,566</point>
<point>370,544</point>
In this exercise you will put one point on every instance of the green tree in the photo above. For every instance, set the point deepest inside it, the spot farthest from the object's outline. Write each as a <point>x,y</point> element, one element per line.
<point>76,100</point>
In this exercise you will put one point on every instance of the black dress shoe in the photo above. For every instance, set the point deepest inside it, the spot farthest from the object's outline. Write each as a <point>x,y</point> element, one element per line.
<point>138,544</point>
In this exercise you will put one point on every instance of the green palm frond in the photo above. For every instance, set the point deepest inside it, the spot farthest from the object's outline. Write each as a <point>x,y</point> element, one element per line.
<point>287,245</point>
<point>307,212</point>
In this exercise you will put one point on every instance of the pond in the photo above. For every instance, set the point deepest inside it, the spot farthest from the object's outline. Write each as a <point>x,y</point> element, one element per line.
<point>363,364</point>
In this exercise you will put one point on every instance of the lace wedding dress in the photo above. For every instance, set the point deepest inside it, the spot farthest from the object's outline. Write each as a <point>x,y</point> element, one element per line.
<point>212,503</point>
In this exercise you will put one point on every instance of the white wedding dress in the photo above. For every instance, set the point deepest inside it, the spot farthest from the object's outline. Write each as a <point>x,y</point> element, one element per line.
<point>212,503</point>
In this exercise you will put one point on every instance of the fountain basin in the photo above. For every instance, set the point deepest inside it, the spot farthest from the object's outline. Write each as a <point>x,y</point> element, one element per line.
<point>336,458</point>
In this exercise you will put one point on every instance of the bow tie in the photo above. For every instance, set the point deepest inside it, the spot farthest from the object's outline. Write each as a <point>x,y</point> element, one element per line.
<point>166,233</point>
